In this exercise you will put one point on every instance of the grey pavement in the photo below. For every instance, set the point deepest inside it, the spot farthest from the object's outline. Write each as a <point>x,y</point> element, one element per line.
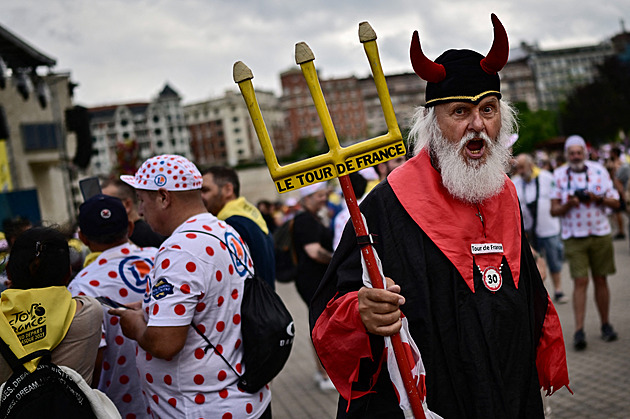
<point>599,375</point>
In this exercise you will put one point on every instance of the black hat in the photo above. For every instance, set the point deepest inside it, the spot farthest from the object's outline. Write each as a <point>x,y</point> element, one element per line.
<point>102,215</point>
<point>462,75</point>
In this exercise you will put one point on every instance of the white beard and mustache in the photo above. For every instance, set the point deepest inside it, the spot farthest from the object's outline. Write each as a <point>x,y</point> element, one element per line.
<point>470,180</point>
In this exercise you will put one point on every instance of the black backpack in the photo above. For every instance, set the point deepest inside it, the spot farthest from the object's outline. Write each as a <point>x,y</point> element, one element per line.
<point>286,256</point>
<point>267,328</point>
<point>47,392</point>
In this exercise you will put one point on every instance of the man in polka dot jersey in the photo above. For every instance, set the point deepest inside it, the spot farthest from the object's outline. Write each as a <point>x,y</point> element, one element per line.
<point>120,272</point>
<point>582,197</point>
<point>195,279</point>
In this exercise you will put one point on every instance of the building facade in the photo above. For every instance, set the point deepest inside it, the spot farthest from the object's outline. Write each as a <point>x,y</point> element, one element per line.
<point>124,135</point>
<point>222,133</point>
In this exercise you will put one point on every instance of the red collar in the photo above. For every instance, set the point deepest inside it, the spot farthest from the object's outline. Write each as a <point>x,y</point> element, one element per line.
<point>454,225</point>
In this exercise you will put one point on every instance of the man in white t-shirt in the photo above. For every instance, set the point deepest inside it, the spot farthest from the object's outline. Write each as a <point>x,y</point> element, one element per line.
<point>534,186</point>
<point>582,196</point>
<point>120,272</point>
<point>195,279</point>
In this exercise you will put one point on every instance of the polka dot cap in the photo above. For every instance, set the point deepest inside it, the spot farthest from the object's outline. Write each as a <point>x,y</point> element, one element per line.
<point>168,171</point>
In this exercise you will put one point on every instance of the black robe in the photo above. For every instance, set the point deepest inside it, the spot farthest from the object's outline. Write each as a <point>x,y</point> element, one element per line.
<point>479,349</point>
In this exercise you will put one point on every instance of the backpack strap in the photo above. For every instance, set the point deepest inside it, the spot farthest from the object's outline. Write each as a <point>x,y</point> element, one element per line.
<point>10,357</point>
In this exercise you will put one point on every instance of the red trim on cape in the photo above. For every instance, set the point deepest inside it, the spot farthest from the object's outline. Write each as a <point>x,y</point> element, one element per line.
<point>453,225</point>
<point>341,341</point>
<point>551,356</point>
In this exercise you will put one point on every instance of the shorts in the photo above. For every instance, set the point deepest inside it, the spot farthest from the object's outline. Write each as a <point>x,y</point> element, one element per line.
<point>595,252</point>
<point>553,250</point>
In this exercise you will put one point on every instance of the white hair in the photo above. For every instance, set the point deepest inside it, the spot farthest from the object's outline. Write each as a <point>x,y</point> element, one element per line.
<point>470,181</point>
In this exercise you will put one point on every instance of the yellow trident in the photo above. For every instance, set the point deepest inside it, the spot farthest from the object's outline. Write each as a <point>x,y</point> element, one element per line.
<point>339,162</point>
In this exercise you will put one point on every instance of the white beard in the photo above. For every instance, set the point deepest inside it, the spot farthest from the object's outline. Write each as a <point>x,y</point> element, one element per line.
<point>467,179</point>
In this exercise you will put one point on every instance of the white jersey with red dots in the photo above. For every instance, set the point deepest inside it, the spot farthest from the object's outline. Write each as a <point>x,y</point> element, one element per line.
<point>120,273</point>
<point>196,279</point>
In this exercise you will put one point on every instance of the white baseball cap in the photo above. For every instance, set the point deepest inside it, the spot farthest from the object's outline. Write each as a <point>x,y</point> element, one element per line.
<point>167,171</point>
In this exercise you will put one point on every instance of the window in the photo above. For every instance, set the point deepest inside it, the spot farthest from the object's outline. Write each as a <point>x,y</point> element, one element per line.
<point>39,136</point>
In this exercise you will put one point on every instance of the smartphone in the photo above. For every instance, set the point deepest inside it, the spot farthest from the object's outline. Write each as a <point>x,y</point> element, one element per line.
<point>108,302</point>
<point>89,187</point>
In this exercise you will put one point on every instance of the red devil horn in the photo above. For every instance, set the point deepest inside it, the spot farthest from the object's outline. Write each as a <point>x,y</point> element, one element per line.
<point>498,55</point>
<point>425,68</point>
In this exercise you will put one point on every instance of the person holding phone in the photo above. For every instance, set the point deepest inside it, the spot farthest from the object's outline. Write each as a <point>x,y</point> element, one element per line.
<point>118,274</point>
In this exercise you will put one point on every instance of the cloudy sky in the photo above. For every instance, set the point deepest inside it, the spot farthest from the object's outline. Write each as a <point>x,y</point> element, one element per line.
<point>126,50</point>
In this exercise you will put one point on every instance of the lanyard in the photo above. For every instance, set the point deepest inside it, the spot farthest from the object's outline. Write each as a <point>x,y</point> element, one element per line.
<point>569,178</point>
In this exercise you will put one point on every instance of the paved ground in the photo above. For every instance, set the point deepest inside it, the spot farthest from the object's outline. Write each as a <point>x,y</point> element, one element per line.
<point>600,375</point>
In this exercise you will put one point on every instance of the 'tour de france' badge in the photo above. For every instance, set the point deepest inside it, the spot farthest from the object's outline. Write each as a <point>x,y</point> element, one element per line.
<point>492,278</point>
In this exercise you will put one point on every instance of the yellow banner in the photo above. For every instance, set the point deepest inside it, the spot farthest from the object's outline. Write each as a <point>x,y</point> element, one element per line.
<point>5,173</point>
<point>350,165</point>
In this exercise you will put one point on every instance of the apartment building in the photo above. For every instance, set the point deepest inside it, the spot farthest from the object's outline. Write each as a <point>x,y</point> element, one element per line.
<point>124,135</point>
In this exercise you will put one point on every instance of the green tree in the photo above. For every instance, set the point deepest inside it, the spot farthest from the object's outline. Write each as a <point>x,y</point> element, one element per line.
<point>598,111</point>
<point>534,128</point>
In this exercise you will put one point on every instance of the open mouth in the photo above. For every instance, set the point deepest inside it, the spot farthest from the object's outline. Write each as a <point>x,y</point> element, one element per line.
<point>475,148</point>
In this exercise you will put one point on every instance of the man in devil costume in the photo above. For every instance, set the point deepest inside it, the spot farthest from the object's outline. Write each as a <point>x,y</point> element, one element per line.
<point>447,227</point>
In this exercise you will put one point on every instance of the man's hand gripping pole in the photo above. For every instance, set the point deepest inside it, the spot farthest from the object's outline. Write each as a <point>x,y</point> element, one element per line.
<point>338,162</point>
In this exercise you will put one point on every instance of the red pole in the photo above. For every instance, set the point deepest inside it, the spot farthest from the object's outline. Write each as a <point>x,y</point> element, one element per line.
<point>377,282</point>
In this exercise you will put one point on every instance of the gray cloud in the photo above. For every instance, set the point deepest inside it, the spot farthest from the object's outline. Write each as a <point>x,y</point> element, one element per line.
<point>125,50</point>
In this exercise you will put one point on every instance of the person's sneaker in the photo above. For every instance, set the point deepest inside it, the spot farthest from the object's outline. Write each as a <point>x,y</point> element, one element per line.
<point>608,333</point>
<point>560,298</point>
<point>579,340</point>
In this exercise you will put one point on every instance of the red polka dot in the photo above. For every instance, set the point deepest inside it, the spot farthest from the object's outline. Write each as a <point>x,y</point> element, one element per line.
<point>176,246</point>
<point>231,269</point>
<point>222,244</point>
<point>84,273</point>
<point>106,366</point>
<point>235,293</point>
<point>200,399</point>
<point>200,307</point>
<point>219,349</point>
<point>127,398</point>
<point>237,344</point>
<point>219,276</point>
<point>199,353</point>
<point>220,301</point>
<point>166,263</point>
<point>121,360</point>
<point>249,408</point>
<point>223,393</point>
<point>102,261</point>
<point>168,380</point>
<point>191,236</point>
<point>156,308</point>
<point>227,415</point>
<point>210,251</point>
<point>123,379</point>
<point>155,398</point>
<point>238,367</point>
<point>236,319</point>
<point>148,356</point>
<point>220,326</point>
<point>172,402</point>
<point>125,251</point>
<point>222,375</point>
<point>81,293</point>
<point>94,283</point>
<point>206,227</point>
<point>179,309</point>
<point>112,274</point>
<point>149,378</point>
<point>123,292</point>
<point>114,320</point>
<point>185,288</point>
<point>198,379</point>
<point>261,396</point>
<point>119,340</point>
<point>201,328</point>
<point>194,219</point>
<point>191,267</point>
